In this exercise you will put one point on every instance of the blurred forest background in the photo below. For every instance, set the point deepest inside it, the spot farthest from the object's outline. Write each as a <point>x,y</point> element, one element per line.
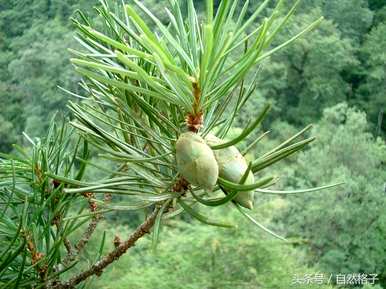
<point>334,78</point>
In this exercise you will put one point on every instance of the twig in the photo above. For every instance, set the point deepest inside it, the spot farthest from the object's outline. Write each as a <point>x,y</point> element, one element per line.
<point>87,233</point>
<point>36,256</point>
<point>194,120</point>
<point>97,268</point>
<point>68,246</point>
<point>91,226</point>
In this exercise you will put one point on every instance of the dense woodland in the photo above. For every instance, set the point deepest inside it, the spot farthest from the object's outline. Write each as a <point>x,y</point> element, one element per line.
<point>334,78</point>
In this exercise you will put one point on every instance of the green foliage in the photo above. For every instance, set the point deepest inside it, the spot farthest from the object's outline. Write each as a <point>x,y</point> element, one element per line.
<point>38,70</point>
<point>7,138</point>
<point>34,36</point>
<point>372,287</point>
<point>205,257</point>
<point>343,60</point>
<point>33,224</point>
<point>353,17</point>
<point>143,90</point>
<point>372,90</point>
<point>22,21</point>
<point>349,235</point>
<point>335,63</point>
<point>298,82</point>
<point>376,4</point>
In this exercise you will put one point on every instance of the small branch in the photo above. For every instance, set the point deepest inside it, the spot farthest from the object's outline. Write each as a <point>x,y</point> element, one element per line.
<point>68,246</point>
<point>181,186</point>
<point>114,255</point>
<point>36,256</point>
<point>91,226</point>
<point>194,120</point>
<point>87,233</point>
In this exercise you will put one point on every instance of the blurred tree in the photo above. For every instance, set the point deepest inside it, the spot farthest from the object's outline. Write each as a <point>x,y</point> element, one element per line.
<point>226,259</point>
<point>307,77</point>
<point>345,230</point>
<point>6,136</point>
<point>376,4</point>
<point>12,116</point>
<point>352,17</point>
<point>38,68</point>
<point>34,36</point>
<point>372,92</point>
<point>380,16</point>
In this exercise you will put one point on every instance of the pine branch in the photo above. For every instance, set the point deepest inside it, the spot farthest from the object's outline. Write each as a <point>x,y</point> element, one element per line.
<point>146,84</point>
<point>114,255</point>
<point>68,246</point>
<point>87,233</point>
<point>71,256</point>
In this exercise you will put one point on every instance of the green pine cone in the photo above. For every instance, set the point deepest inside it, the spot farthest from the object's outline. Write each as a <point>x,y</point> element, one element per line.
<point>196,161</point>
<point>232,166</point>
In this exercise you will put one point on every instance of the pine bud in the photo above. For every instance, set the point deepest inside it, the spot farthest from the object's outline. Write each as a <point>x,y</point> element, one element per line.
<point>232,167</point>
<point>196,161</point>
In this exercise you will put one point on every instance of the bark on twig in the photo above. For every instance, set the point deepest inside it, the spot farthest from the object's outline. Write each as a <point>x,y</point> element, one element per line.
<point>87,234</point>
<point>194,120</point>
<point>36,256</point>
<point>68,246</point>
<point>97,268</point>
<point>72,254</point>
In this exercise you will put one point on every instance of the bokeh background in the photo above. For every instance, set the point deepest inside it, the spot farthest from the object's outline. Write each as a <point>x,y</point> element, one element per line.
<point>334,78</point>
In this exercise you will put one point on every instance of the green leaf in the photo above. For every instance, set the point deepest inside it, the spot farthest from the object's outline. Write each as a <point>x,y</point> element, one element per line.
<point>276,192</point>
<point>118,45</point>
<point>157,225</point>
<point>209,11</point>
<point>269,160</point>
<point>102,245</point>
<point>174,43</point>
<point>148,37</point>
<point>283,144</point>
<point>251,19</point>
<point>292,39</point>
<point>246,131</point>
<point>21,270</point>
<point>265,229</point>
<point>200,217</point>
<point>239,187</point>
<point>215,202</point>
<point>252,144</point>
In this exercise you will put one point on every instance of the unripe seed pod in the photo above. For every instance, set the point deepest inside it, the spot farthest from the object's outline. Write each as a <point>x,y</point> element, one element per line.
<point>196,161</point>
<point>232,167</point>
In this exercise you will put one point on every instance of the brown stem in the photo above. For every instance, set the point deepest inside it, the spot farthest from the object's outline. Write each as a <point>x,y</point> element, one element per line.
<point>197,97</point>
<point>36,256</point>
<point>87,234</point>
<point>71,256</point>
<point>97,268</point>
<point>68,246</point>
<point>91,226</point>
<point>194,119</point>
<point>194,122</point>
